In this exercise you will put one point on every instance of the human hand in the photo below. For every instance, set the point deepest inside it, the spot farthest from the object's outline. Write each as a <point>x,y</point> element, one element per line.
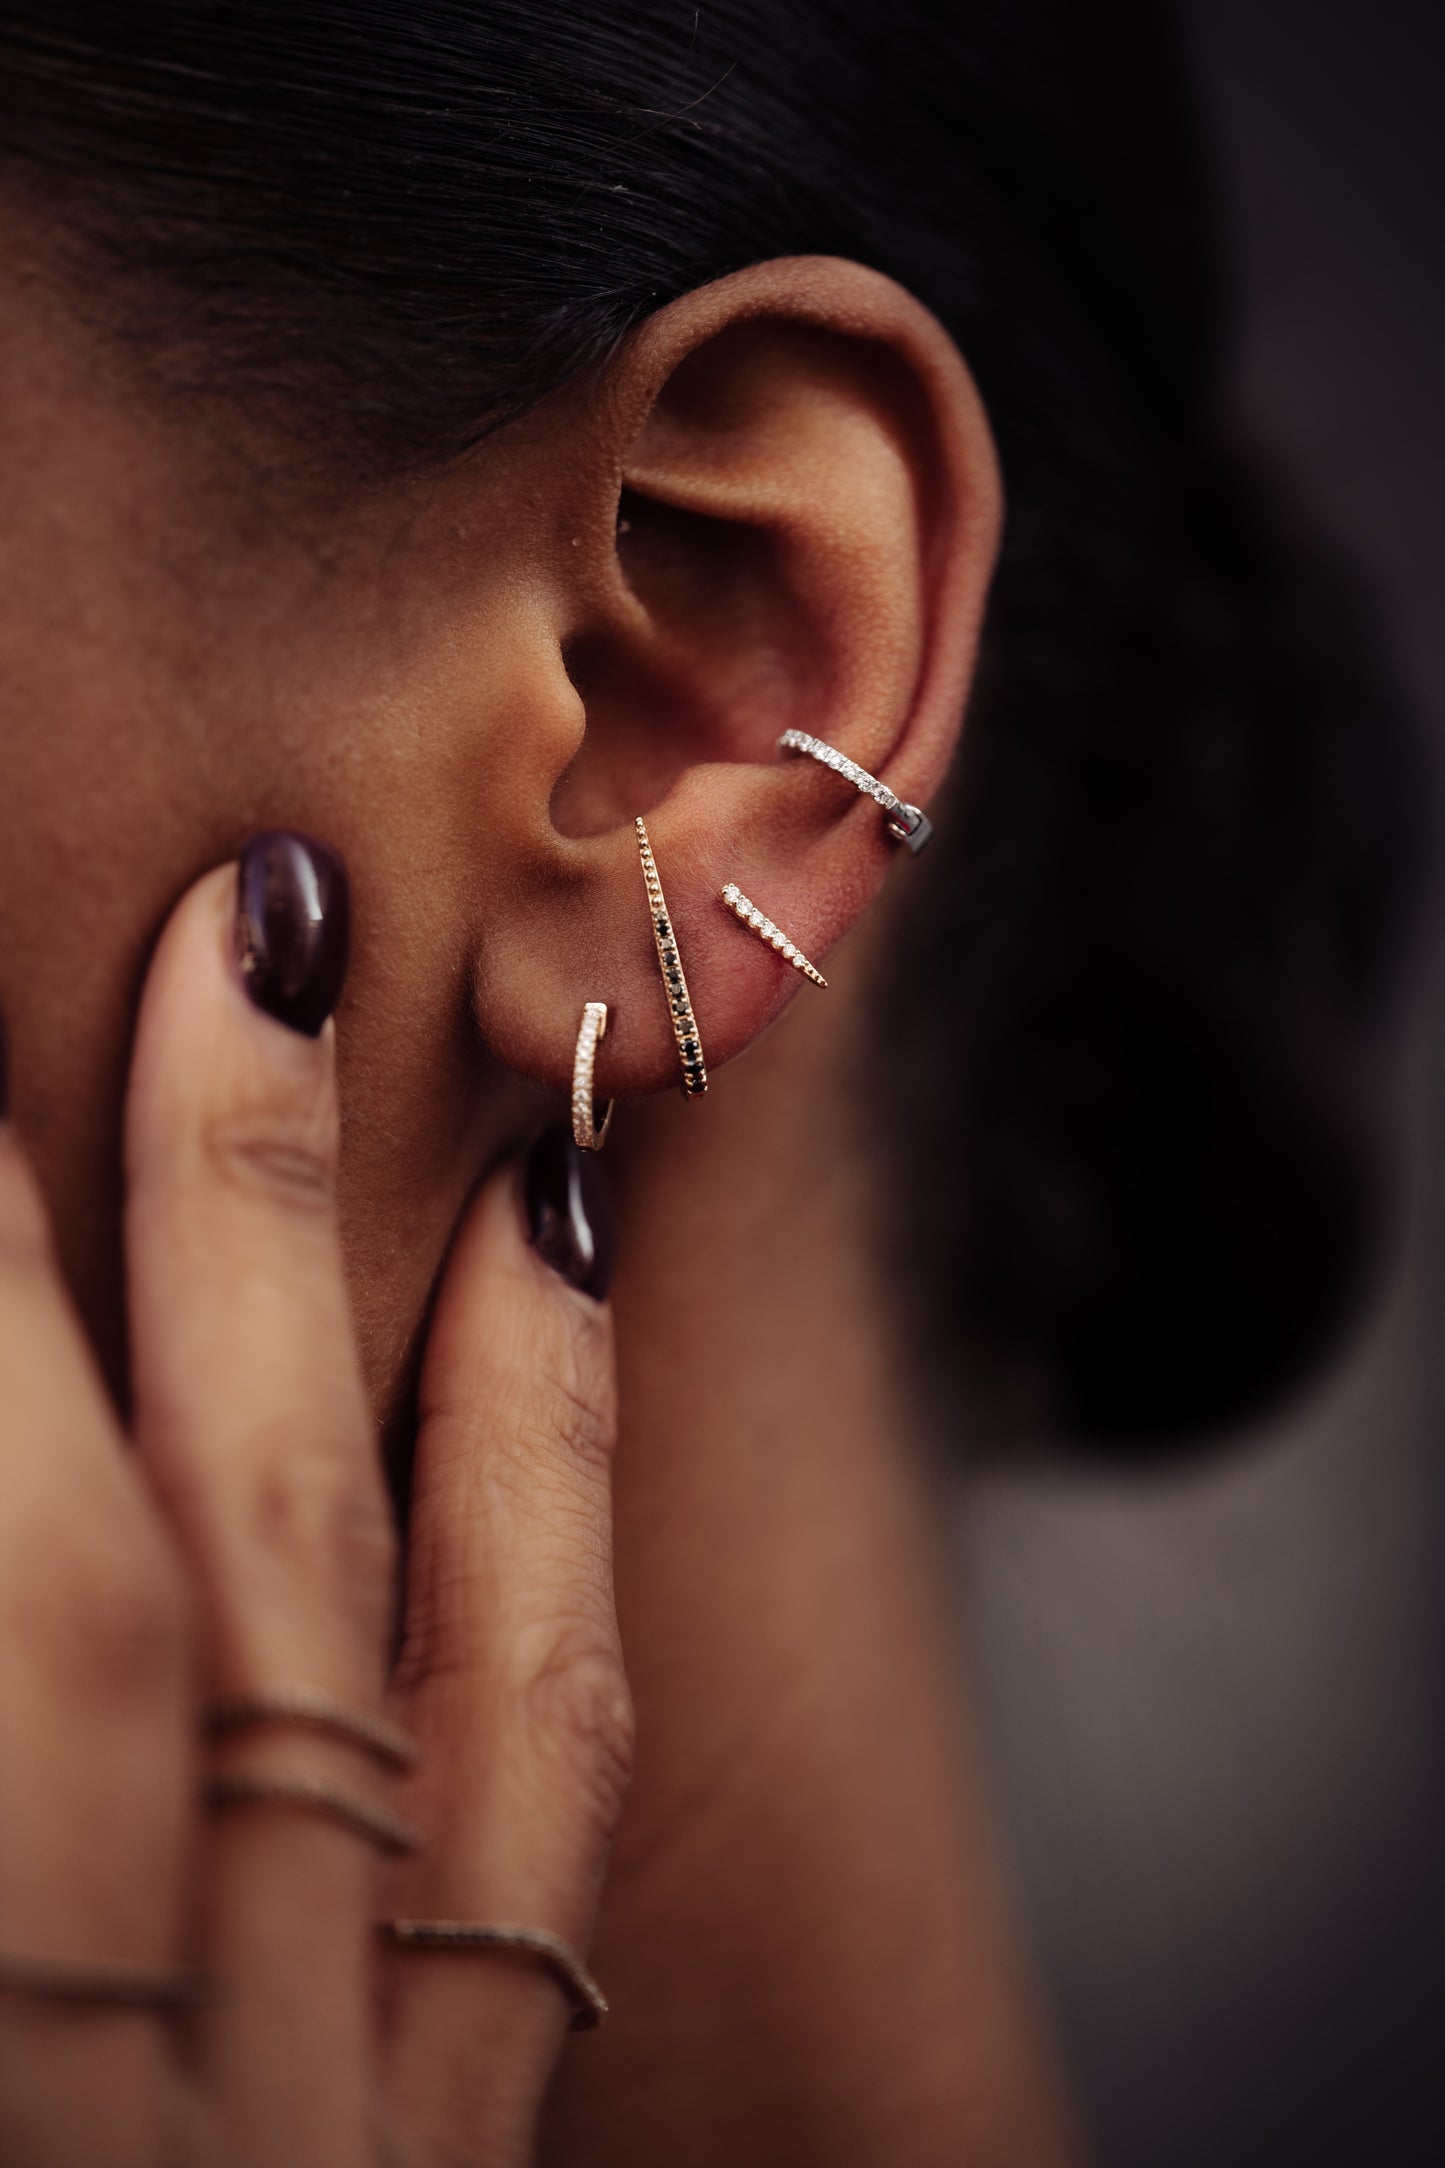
<point>244,1548</point>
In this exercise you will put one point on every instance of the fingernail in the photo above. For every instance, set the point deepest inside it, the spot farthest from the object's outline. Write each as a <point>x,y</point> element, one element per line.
<point>569,1212</point>
<point>293,923</point>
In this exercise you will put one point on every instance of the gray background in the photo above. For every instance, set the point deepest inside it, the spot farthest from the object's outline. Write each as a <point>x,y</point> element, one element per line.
<point>1214,1697</point>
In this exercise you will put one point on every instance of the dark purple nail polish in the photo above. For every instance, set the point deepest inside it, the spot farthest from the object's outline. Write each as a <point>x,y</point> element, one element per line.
<point>569,1212</point>
<point>293,924</point>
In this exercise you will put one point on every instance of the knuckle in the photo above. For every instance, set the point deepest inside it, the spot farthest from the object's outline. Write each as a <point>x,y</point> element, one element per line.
<point>584,1426</point>
<point>293,1168</point>
<point>323,1520</point>
<point>573,1418</point>
<point>580,1717</point>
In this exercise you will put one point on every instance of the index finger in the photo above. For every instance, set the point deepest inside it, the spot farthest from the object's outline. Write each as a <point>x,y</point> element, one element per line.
<point>511,1667</point>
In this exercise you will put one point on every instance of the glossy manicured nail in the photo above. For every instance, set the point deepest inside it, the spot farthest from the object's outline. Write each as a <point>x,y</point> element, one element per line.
<point>293,924</point>
<point>569,1212</point>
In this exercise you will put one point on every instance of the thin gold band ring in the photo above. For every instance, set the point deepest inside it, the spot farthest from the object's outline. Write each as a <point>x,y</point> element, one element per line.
<point>309,1705</point>
<point>589,2004</point>
<point>257,1788</point>
<point>106,1983</point>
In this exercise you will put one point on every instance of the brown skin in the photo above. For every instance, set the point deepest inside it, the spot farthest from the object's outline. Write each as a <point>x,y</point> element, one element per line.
<point>239,1541</point>
<point>808,1951</point>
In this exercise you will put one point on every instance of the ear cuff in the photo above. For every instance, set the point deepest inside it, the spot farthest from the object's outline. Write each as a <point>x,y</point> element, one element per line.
<point>901,823</point>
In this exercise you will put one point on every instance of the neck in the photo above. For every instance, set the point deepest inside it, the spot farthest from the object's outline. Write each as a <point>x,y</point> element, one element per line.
<point>804,1911</point>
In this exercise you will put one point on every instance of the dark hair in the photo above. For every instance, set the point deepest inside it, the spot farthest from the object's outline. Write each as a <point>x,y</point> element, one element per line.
<point>1133,1049</point>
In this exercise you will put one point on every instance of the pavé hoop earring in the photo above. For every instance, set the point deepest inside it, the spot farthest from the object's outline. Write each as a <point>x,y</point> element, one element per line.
<point>591,1118</point>
<point>901,823</point>
<point>684,1023</point>
<point>765,930</point>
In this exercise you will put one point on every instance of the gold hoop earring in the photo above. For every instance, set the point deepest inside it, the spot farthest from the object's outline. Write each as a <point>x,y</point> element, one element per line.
<point>590,1121</point>
<point>758,922</point>
<point>684,1023</point>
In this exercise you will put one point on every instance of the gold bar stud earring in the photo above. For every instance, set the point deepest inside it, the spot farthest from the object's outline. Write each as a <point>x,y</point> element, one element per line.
<point>759,922</point>
<point>669,963</point>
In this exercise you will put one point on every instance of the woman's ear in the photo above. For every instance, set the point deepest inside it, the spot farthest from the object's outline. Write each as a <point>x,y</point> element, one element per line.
<point>789,505</point>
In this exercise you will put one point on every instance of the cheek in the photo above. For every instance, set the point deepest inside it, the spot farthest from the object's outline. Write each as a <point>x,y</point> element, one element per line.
<point>115,800</point>
<point>424,1114</point>
<point>100,831</point>
<point>163,694</point>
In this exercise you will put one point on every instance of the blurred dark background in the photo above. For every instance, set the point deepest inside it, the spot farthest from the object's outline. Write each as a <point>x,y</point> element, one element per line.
<point>1214,1692</point>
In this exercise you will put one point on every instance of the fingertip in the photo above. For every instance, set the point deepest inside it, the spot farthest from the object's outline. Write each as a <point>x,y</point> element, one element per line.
<point>222,1096</point>
<point>293,927</point>
<point>529,1270</point>
<point>570,1221</point>
<point>271,926</point>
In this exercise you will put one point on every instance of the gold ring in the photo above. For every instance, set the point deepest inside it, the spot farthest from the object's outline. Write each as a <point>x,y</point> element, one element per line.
<point>589,2004</point>
<point>108,1983</point>
<point>323,1712</point>
<point>255,1788</point>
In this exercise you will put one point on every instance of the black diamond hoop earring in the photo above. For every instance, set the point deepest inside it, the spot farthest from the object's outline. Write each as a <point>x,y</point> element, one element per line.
<point>684,1023</point>
<point>901,823</point>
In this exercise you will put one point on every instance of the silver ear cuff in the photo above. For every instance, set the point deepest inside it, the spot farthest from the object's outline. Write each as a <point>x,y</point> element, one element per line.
<point>901,823</point>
